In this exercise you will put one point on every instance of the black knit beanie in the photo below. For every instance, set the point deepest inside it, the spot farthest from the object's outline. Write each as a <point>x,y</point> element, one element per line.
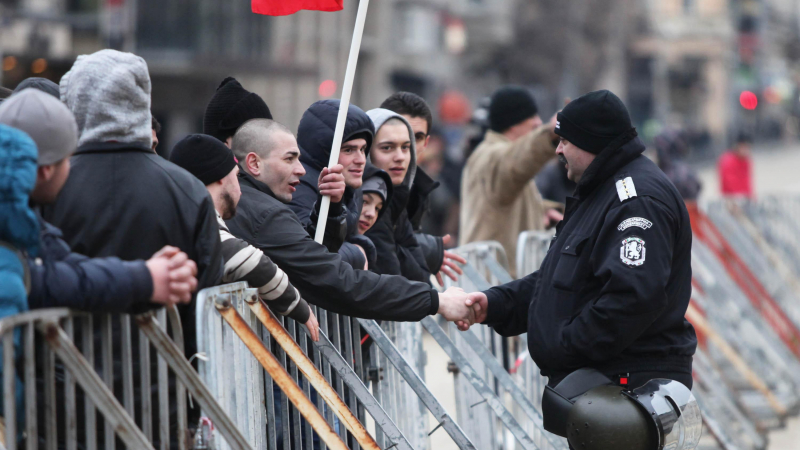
<point>42,84</point>
<point>510,105</point>
<point>230,107</point>
<point>592,121</point>
<point>206,158</point>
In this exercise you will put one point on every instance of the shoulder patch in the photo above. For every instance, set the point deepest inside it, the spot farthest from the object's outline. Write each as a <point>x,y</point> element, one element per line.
<point>640,222</point>
<point>626,189</point>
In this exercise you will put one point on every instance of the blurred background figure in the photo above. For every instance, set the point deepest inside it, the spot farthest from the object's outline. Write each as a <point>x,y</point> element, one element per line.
<point>736,168</point>
<point>671,149</point>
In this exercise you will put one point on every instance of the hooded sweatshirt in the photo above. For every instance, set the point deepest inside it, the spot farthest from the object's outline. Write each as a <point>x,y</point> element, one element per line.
<point>315,137</point>
<point>399,253</point>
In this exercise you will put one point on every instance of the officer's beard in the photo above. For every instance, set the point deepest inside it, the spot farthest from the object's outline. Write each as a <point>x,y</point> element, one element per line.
<point>562,159</point>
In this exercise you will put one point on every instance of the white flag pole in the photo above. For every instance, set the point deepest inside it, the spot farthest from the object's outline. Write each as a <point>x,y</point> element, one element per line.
<point>347,89</point>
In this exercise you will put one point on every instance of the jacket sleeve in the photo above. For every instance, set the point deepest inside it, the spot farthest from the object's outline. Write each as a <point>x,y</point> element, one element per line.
<point>207,248</point>
<point>522,159</point>
<point>352,255</point>
<point>432,249</point>
<point>412,260</point>
<point>509,304</point>
<point>365,243</point>
<point>90,284</point>
<point>325,280</point>
<point>633,293</point>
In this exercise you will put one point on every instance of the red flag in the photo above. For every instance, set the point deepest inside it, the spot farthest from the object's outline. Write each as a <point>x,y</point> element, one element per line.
<point>286,7</point>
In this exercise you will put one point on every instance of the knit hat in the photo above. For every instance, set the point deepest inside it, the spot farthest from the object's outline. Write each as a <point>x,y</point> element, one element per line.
<point>109,94</point>
<point>594,120</point>
<point>18,223</point>
<point>42,84</point>
<point>377,185</point>
<point>510,105</point>
<point>46,120</point>
<point>206,158</point>
<point>230,107</point>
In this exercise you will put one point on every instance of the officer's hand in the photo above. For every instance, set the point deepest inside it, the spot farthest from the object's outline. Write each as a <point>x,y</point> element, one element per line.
<point>453,306</point>
<point>480,306</point>
<point>552,217</point>
<point>331,182</point>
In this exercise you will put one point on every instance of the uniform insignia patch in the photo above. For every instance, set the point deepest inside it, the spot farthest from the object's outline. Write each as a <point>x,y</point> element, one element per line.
<point>640,222</point>
<point>626,189</point>
<point>632,251</point>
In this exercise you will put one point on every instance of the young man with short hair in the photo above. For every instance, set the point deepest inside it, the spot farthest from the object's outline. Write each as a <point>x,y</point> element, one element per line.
<point>269,156</point>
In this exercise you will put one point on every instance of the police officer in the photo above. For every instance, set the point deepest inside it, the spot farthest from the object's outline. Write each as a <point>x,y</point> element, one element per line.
<point>612,292</point>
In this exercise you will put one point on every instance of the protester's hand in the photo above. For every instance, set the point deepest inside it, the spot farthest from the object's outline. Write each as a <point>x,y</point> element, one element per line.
<point>453,306</point>
<point>173,275</point>
<point>552,217</point>
<point>312,326</point>
<point>331,182</point>
<point>363,252</point>
<point>449,262</point>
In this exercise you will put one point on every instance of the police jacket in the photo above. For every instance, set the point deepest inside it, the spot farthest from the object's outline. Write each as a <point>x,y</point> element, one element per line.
<point>615,284</point>
<point>323,278</point>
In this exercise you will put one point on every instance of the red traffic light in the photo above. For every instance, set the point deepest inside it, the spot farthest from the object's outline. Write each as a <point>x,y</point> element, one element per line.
<point>748,100</point>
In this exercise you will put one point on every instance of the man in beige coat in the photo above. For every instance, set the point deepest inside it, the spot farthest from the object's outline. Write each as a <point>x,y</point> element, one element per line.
<point>499,199</point>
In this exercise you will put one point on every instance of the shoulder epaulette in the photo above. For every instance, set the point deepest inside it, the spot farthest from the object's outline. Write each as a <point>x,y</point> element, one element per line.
<point>626,189</point>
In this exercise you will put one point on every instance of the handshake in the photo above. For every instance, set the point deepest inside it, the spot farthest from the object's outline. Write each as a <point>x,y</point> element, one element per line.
<point>464,309</point>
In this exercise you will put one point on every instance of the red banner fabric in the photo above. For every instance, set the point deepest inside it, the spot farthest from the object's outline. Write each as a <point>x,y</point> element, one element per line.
<point>286,7</point>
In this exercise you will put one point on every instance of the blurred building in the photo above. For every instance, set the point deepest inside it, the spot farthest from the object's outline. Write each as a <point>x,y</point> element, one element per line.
<point>292,61</point>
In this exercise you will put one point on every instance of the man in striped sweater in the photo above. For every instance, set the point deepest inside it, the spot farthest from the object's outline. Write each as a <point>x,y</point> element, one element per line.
<point>214,164</point>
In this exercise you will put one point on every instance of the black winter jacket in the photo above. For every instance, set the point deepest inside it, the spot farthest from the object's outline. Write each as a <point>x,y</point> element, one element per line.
<point>418,205</point>
<point>320,276</point>
<point>315,137</point>
<point>129,202</point>
<point>61,278</point>
<point>615,284</point>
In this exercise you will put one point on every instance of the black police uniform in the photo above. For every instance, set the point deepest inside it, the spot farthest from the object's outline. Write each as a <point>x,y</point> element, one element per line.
<point>612,292</point>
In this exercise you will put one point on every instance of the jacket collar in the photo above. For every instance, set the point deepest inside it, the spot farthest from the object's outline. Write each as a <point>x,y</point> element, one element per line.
<point>112,147</point>
<point>247,179</point>
<point>617,154</point>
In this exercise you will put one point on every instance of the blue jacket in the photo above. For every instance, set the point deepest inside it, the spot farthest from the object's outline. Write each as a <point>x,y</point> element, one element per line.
<point>18,232</point>
<point>315,137</point>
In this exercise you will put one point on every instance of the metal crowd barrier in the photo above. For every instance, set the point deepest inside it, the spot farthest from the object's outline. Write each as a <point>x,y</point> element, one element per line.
<point>375,385</point>
<point>60,389</point>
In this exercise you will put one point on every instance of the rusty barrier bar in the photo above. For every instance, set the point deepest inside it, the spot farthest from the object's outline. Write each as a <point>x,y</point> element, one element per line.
<point>280,375</point>
<point>316,379</point>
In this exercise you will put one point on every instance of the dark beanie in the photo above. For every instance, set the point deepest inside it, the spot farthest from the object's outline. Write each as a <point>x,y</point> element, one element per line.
<point>510,105</point>
<point>42,84</point>
<point>230,107</point>
<point>592,121</point>
<point>204,157</point>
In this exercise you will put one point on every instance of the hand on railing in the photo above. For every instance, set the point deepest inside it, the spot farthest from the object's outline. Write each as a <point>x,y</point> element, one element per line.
<point>480,306</point>
<point>313,326</point>
<point>173,275</point>
<point>448,264</point>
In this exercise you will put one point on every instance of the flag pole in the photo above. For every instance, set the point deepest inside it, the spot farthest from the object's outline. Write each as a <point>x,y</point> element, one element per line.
<point>347,89</point>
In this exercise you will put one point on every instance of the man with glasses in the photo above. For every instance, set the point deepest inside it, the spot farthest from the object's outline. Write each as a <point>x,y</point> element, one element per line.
<point>418,114</point>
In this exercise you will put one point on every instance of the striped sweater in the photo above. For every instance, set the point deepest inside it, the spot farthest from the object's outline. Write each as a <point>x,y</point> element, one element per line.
<point>243,262</point>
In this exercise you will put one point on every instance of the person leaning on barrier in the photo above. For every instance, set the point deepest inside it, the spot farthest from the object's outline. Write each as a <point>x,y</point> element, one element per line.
<point>61,278</point>
<point>213,163</point>
<point>314,138</point>
<point>613,289</point>
<point>269,158</point>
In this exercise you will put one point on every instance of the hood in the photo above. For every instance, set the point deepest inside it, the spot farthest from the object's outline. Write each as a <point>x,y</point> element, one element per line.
<point>315,132</point>
<point>379,117</point>
<point>18,223</point>
<point>109,94</point>
<point>372,171</point>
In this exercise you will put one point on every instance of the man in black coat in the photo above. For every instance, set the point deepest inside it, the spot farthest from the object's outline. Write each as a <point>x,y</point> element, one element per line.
<point>614,287</point>
<point>315,137</point>
<point>122,199</point>
<point>269,157</point>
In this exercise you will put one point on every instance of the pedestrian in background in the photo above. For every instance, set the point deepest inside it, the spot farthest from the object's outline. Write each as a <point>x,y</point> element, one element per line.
<point>736,169</point>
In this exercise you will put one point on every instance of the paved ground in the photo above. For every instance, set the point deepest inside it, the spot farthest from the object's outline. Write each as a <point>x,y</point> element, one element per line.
<point>777,170</point>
